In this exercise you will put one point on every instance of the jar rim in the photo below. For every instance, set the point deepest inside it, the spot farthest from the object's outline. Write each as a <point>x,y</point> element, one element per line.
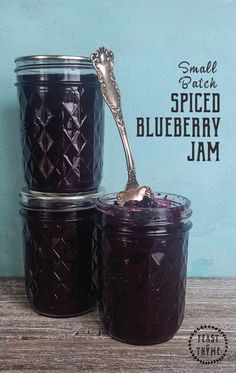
<point>178,210</point>
<point>50,57</point>
<point>35,62</point>
<point>112,196</point>
<point>33,199</point>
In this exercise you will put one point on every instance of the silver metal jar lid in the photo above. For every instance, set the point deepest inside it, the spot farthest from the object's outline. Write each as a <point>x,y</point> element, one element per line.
<point>59,201</point>
<point>35,61</point>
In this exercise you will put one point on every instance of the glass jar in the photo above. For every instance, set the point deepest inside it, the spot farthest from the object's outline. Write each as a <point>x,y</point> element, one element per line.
<point>142,262</point>
<point>59,240</point>
<point>62,123</point>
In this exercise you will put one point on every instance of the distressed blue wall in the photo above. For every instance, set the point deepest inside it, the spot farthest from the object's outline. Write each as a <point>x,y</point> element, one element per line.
<point>149,38</point>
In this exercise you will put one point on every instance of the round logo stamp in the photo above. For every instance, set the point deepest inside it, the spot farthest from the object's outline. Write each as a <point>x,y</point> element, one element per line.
<point>208,344</point>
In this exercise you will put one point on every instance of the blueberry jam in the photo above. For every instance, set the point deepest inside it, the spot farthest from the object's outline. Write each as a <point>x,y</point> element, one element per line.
<point>62,131</point>
<point>147,202</point>
<point>60,255</point>
<point>142,262</point>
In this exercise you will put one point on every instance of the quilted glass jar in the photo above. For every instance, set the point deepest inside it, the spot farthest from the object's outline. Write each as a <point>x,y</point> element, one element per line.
<point>59,240</point>
<point>142,262</point>
<point>62,123</point>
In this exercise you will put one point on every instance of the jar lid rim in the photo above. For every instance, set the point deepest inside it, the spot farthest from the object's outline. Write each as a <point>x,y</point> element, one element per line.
<point>53,57</point>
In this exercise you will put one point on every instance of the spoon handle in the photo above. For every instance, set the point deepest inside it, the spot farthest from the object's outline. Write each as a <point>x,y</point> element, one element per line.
<point>103,61</point>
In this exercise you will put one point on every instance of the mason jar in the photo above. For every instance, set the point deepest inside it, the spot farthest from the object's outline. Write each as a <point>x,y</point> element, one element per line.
<point>142,263</point>
<point>59,240</point>
<point>62,123</point>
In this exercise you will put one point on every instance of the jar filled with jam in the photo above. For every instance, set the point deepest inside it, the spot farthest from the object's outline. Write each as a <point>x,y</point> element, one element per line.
<point>59,240</point>
<point>62,123</point>
<point>142,262</point>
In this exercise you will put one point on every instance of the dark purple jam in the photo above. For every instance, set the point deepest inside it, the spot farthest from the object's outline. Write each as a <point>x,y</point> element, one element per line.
<point>60,261</point>
<point>62,131</point>
<point>142,262</point>
<point>147,202</point>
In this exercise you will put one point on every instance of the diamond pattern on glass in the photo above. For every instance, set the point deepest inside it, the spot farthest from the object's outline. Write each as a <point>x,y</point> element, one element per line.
<point>145,281</point>
<point>60,264</point>
<point>62,130</point>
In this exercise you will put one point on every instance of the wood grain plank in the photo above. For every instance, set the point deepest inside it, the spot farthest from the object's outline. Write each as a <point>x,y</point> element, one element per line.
<point>34,343</point>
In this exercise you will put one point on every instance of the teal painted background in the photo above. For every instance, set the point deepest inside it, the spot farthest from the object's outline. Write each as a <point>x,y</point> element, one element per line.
<point>149,39</point>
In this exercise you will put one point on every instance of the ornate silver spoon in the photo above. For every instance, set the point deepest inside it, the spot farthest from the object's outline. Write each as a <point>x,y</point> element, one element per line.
<point>103,61</point>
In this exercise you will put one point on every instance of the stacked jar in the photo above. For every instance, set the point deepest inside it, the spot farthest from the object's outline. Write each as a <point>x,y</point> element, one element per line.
<point>62,134</point>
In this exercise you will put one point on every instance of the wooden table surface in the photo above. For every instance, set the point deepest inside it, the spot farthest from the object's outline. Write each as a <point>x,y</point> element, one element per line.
<point>34,343</point>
